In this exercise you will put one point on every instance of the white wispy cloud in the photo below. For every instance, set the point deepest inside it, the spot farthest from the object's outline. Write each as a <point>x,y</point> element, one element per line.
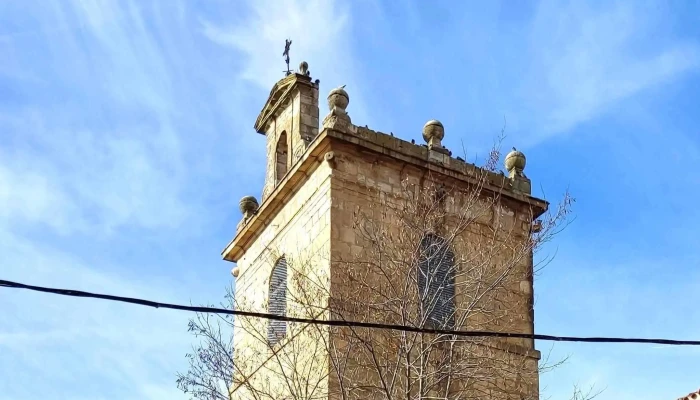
<point>142,117</point>
<point>130,113</point>
<point>129,117</point>
<point>82,179</point>
<point>583,59</point>
<point>104,170</point>
<point>547,66</point>
<point>619,295</point>
<point>28,196</point>
<point>321,32</point>
<point>83,346</point>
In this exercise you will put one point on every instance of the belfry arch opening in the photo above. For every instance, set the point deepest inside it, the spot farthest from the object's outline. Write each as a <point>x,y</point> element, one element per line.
<point>281,157</point>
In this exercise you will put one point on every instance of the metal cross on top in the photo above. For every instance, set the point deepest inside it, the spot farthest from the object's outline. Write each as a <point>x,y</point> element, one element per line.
<point>287,44</point>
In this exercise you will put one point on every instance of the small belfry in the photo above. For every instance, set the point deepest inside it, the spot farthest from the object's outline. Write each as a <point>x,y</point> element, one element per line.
<point>289,120</point>
<point>359,225</point>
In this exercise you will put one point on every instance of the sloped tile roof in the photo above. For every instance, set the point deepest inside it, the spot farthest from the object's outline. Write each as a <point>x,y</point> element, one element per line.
<point>691,396</point>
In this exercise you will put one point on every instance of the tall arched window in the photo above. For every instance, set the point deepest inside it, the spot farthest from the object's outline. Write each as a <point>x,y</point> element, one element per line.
<point>436,282</point>
<point>281,155</point>
<point>277,301</point>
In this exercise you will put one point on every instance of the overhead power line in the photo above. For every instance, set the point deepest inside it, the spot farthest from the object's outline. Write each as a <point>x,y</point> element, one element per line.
<point>356,324</point>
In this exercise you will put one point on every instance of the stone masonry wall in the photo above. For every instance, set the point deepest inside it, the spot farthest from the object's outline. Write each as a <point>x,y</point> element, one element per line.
<point>300,231</point>
<point>364,183</point>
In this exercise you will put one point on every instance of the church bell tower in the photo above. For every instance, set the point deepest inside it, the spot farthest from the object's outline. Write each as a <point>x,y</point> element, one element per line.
<point>301,252</point>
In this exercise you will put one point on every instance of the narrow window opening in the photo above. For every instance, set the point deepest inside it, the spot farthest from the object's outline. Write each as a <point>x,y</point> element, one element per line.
<point>281,157</point>
<point>277,302</point>
<point>436,282</point>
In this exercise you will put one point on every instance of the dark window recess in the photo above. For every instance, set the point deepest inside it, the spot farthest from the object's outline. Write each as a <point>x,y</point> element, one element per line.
<point>281,157</point>
<point>277,302</point>
<point>436,282</point>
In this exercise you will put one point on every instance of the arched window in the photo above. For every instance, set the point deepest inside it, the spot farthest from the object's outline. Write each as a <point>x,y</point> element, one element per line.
<point>277,301</point>
<point>281,155</point>
<point>436,282</point>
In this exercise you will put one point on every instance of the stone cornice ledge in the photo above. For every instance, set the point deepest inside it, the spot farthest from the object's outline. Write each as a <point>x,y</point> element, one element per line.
<point>515,349</point>
<point>380,143</point>
<point>439,163</point>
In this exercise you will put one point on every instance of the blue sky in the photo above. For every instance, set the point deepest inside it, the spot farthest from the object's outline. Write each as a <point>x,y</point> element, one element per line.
<point>126,141</point>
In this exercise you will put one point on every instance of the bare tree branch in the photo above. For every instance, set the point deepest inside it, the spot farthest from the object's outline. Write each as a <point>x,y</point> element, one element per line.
<point>433,254</point>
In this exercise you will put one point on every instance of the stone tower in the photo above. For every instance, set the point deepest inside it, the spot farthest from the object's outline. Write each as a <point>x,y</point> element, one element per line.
<point>289,120</point>
<point>305,251</point>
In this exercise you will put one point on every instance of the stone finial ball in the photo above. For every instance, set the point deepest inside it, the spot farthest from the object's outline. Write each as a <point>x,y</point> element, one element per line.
<point>433,129</point>
<point>338,97</point>
<point>303,67</point>
<point>248,204</point>
<point>515,160</point>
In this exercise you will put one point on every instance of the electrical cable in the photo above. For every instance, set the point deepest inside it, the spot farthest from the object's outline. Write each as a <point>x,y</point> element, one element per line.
<point>337,323</point>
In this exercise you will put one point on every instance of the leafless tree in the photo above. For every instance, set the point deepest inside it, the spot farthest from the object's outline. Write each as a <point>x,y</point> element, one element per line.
<point>436,255</point>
